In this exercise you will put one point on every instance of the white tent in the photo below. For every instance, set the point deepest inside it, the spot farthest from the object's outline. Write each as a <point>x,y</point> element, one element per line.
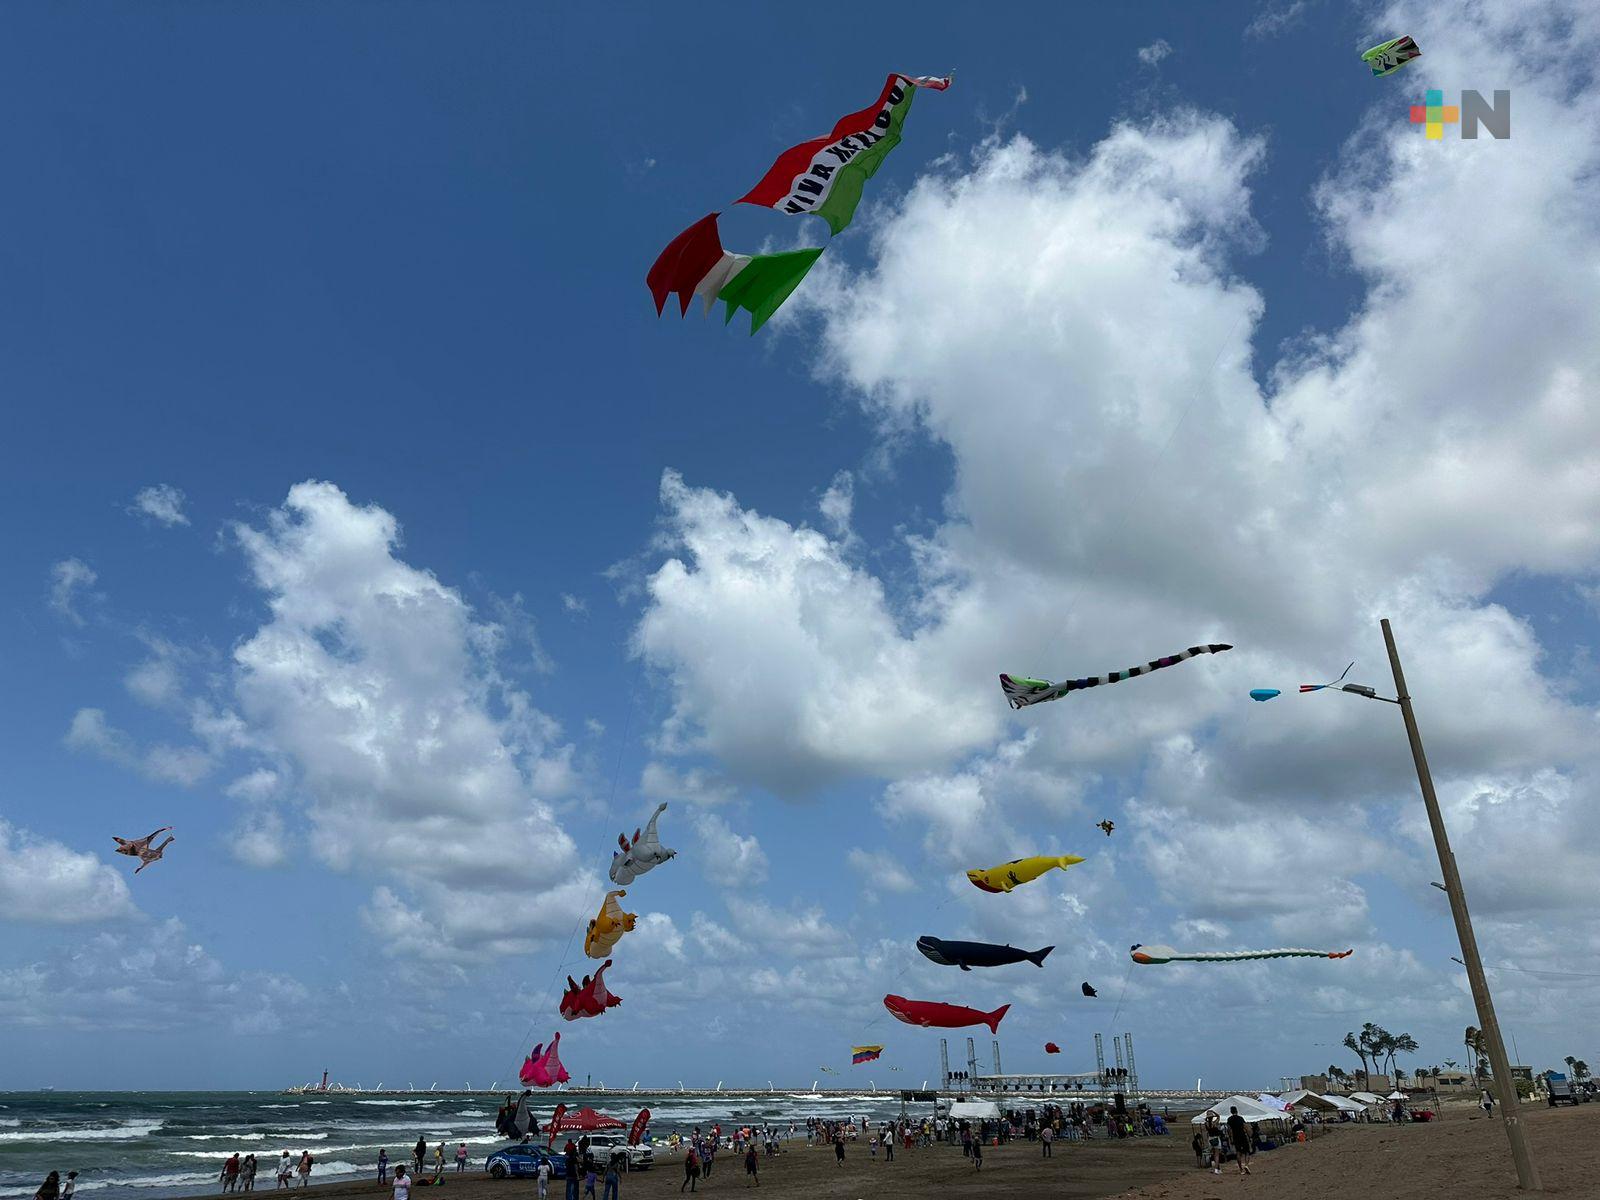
<point>1250,1110</point>
<point>1366,1098</point>
<point>1397,1094</point>
<point>1272,1102</point>
<point>1344,1105</point>
<point>975,1110</point>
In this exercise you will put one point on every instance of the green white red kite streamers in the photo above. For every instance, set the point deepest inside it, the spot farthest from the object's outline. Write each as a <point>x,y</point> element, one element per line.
<point>824,177</point>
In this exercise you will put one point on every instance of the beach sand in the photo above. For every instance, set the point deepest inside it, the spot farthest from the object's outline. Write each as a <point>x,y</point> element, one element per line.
<point>1463,1156</point>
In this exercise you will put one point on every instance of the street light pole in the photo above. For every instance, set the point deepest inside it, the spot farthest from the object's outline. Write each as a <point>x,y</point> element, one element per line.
<point>1527,1172</point>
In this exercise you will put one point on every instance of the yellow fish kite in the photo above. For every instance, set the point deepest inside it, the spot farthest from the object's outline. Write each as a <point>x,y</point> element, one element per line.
<point>608,926</point>
<point>1020,870</point>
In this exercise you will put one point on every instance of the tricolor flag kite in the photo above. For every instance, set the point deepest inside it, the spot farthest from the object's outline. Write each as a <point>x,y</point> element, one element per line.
<point>824,177</point>
<point>861,1054</point>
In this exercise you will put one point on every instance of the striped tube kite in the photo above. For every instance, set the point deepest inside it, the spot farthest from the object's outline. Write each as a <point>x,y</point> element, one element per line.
<point>1021,692</point>
<point>862,1054</point>
<point>1155,955</point>
<point>823,177</point>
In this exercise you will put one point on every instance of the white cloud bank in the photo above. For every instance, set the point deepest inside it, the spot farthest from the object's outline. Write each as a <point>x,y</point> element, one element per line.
<point>45,882</point>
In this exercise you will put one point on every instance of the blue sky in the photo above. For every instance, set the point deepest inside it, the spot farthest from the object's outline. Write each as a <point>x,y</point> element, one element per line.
<point>400,252</point>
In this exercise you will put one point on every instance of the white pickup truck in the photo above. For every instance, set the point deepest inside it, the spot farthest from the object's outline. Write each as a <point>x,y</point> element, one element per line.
<point>604,1145</point>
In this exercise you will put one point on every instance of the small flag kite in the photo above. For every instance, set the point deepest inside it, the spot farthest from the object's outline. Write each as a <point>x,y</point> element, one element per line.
<point>861,1054</point>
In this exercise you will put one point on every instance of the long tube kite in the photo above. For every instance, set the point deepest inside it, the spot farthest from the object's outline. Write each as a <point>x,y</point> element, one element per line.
<point>1021,691</point>
<point>822,177</point>
<point>1155,955</point>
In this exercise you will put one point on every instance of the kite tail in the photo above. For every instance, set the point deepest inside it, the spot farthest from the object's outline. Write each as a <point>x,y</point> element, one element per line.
<point>1342,953</point>
<point>992,1020</point>
<point>1038,956</point>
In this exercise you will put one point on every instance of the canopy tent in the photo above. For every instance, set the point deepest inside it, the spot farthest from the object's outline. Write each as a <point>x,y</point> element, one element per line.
<point>585,1120</point>
<point>1250,1110</point>
<point>1366,1098</point>
<point>1272,1102</point>
<point>974,1110</point>
<point>1305,1099</point>
<point>1397,1094</point>
<point>1344,1105</point>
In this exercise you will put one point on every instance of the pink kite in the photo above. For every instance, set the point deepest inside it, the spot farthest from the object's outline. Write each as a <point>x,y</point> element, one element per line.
<point>590,998</point>
<point>544,1070</point>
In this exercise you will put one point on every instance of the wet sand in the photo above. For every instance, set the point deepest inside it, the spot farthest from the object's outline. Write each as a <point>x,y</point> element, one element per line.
<point>1464,1157</point>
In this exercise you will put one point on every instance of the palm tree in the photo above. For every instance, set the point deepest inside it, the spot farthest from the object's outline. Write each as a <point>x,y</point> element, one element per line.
<point>1358,1048</point>
<point>1478,1048</point>
<point>1400,1043</point>
<point>1338,1075</point>
<point>1374,1040</point>
<point>1580,1069</point>
<point>1451,1063</point>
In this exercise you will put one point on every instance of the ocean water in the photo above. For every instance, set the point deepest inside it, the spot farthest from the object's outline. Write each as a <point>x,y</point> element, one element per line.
<point>149,1144</point>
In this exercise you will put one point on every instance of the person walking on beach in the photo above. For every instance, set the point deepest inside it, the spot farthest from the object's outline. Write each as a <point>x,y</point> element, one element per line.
<point>1239,1135</point>
<point>838,1148</point>
<point>888,1145</point>
<point>461,1158</point>
<point>419,1154</point>
<point>569,1161</point>
<point>977,1153</point>
<point>247,1174</point>
<point>230,1172</point>
<point>691,1170</point>
<point>544,1179</point>
<point>613,1179</point>
<point>305,1167</point>
<point>50,1189</point>
<point>70,1186</point>
<point>402,1185</point>
<point>1487,1100</point>
<point>752,1164</point>
<point>285,1170</point>
<point>383,1166</point>
<point>1047,1135</point>
<point>588,1179</point>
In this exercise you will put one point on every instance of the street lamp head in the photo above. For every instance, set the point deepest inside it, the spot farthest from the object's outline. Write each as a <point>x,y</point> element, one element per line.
<point>1360,689</point>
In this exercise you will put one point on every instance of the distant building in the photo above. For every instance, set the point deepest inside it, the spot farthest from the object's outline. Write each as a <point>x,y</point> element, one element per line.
<point>1314,1083</point>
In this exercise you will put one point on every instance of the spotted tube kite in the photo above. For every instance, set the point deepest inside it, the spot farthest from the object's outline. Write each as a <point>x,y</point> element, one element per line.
<point>864,1054</point>
<point>932,1014</point>
<point>608,926</point>
<point>1154,955</point>
<point>141,848</point>
<point>1021,691</point>
<point>542,1068</point>
<point>1019,871</point>
<point>822,177</point>
<point>589,998</point>
<point>640,855</point>
<point>1388,57</point>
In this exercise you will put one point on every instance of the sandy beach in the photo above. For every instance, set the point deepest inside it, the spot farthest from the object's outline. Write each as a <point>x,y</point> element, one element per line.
<point>1463,1156</point>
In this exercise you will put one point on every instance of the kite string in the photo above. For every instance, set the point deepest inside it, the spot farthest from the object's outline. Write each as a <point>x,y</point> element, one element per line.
<point>616,775</point>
